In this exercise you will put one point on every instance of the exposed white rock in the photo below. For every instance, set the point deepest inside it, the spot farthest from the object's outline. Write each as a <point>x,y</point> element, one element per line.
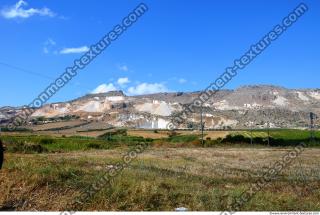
<point>275,93</point>
<point>302,96</point>
<point>52,110</point>
<point>252,106</point>
<point>155,107</point>
<point>281,101</point>
<point>154,123</point>
<point>114,98</point>
<point>91,106</point>
<point>315,95</point>
<point>224,105</point>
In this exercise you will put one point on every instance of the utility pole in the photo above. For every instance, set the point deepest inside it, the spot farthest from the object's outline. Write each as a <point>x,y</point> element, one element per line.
<point>201,124</point>
<point>251,136</point>
<point>312,135</point>
<point>268,128</point>
<point>268,132</point>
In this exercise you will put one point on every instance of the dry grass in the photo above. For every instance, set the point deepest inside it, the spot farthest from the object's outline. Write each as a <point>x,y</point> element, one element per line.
<point>216,134</point>
<point>160,179</point>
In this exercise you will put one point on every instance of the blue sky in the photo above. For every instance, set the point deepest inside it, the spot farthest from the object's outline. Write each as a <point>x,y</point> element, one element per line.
<point>175,46</point>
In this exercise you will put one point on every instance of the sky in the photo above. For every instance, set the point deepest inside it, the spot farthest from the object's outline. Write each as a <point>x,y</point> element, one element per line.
<point>175,46</point>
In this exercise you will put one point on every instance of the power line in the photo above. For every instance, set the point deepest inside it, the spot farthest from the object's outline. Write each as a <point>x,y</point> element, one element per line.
<point>34,73</point>
<point>26,71</point>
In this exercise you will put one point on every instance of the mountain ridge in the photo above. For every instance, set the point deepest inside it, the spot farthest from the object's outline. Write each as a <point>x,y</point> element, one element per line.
<point>245,106</point>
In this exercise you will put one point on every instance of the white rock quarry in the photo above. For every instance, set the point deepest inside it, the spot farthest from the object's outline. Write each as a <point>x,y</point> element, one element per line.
<point>154,123</point>
<point>224,105</point>
<point>91,106</point>
<point>315,95</point>
<point>53,110</point>
<point>252,106</point>
<point>100,106</point>
<point>156,107</point>
<point>302,96</point>
<point>115,98</point>
<point>280,101</point>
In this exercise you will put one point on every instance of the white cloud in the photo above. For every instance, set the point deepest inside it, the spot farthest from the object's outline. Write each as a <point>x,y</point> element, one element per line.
<point>17,11</point>
<point>48,44</point>
<point>81,49</point>
<point>182,80</point>
<point>147,88</point>
<point>103,88</point>
<point>123,81</point>
<point>123,68</point>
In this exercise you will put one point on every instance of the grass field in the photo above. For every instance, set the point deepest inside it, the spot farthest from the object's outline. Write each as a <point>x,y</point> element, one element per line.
<point>43,172</point>
<point>160,179</point>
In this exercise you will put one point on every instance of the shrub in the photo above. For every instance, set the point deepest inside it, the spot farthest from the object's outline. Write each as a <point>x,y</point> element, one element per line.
<point>210,143</point>
<point>236,139</point>
<point>34,148</point>
<point>149,139</point>
<point>47,141</point>
<point>94,146</point>
<point>25,147</point>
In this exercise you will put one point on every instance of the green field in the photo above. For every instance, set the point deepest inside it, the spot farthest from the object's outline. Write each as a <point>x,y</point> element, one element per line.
<point>45,144</point>
<point>287,134</point>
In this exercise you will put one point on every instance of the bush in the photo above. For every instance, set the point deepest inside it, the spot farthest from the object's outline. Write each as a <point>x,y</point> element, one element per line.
<point>236,139</point>
<point>26,147</point>
<point>94,146</point>
<point>149,139</point>
<point>210,143</point>
<point>34,148</point>
<point>47,141</point>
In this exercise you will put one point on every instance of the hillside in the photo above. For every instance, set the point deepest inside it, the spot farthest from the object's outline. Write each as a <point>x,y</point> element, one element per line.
<point>247,106</point>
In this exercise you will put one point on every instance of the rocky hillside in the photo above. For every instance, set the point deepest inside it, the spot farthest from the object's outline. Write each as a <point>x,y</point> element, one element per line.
<point>247,106</point>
